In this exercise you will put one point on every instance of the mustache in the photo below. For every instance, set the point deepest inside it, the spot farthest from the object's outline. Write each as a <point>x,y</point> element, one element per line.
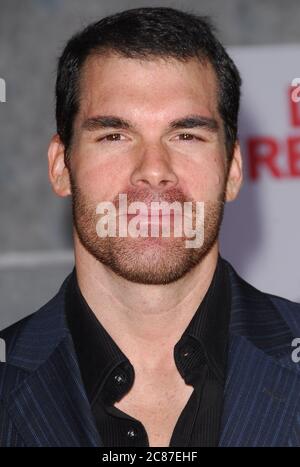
<point>147,197</point>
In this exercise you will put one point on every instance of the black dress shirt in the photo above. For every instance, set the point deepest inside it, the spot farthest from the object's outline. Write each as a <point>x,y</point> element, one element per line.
<point>200,356</point>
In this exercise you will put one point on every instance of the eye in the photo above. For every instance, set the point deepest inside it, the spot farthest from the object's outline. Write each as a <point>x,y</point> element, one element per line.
<point>189,137</point>
<point>111,137</point>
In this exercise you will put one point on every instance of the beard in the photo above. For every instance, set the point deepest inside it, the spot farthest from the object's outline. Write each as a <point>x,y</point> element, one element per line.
<point>144,260</point>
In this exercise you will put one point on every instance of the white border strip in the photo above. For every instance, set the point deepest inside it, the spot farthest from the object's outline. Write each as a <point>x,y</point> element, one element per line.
<point>31,259</point>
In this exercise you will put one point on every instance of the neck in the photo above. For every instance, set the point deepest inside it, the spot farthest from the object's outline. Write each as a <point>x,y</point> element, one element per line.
<point>137,315</point>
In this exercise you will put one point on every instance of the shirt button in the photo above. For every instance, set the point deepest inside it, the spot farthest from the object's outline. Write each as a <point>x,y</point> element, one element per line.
<point>120,378</point>
<point>132,433</point>
<point>186,351</point>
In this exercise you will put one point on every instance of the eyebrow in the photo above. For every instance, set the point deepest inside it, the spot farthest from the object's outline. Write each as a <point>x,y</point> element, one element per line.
<point>111,121</point>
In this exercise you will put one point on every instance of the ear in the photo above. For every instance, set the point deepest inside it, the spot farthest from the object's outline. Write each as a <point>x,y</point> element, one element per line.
<point>235,174</point>
<point>57,170</point>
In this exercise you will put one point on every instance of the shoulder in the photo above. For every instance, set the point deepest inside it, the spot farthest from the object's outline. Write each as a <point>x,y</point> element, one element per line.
<point>31,338</point>
<point>289,310</point>
<point>246,297</point>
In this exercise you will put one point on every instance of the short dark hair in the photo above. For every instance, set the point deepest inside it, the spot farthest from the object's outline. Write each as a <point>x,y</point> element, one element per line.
<point>146,33</point>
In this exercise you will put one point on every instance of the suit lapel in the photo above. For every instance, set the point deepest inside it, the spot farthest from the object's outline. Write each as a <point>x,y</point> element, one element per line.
<point>262,398</point>
<point>262,393</point>
<point>47,401</point>
<point>50,407</point>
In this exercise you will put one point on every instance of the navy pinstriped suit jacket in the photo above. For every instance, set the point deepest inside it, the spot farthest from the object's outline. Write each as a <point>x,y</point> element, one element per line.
<point>43,401</point>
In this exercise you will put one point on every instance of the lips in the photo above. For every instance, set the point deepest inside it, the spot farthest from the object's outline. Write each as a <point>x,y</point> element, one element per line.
<point>149,219</point>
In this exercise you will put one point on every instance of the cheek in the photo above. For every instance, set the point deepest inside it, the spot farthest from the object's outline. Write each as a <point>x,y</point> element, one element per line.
<point>206,182</point>
<point>100,181</point>
<point>217,180</point>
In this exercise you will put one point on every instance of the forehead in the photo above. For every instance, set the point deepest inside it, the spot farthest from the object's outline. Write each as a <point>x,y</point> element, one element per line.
<point>111,82</point>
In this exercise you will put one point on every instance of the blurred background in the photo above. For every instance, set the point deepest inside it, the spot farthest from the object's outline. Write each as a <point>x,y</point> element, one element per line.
<point>261,230</point>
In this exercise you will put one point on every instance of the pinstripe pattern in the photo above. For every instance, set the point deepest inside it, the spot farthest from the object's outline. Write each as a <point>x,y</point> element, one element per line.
<point>263,384</point>
<point>40,384</point>
<point>43,402</point>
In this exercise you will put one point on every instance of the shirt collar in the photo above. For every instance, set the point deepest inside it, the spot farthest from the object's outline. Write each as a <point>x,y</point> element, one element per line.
<point>205,339</point>
<point>98,355</point>
<point>101,360</point>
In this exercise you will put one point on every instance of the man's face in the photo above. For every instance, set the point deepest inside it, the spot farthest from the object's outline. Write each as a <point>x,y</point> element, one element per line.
<point>159,154</point>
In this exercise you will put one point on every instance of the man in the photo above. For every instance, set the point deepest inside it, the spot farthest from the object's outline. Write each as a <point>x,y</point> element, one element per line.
<point>151,341</point>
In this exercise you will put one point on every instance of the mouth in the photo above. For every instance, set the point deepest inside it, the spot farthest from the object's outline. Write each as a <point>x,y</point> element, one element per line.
<point>150,218</point>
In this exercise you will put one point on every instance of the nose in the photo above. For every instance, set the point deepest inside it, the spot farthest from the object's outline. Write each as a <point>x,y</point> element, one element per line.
<point>154,170</point>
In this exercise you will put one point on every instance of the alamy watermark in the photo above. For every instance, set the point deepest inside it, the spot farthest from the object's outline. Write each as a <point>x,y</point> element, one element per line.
<point>137,218</point>
<point>2,90</point>
<point>2,350</point>
<point>295,95</point>
<point>296,353</point>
